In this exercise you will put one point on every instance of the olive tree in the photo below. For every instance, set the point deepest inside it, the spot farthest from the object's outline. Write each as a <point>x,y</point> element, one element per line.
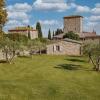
<point>9,48</point>
<point>93,52</point>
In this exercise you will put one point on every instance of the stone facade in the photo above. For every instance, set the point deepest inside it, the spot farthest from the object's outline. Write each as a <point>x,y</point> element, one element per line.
<point>34,34</point>
<point>24,31</point>
<point>73,23</point>
<point>65,47</point>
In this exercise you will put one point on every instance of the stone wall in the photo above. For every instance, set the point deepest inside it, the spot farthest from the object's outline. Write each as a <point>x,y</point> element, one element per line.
<point>34,34</point>
<point>65,48</point>
<point>92,41</point>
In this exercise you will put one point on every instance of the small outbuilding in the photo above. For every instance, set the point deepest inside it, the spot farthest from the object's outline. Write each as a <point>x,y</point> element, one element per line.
<point>65,47</point>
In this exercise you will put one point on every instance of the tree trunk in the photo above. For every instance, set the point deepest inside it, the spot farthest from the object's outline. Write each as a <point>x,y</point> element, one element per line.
<point>10,60</point>
<point>6,56</point>
<point>0,31</point>
<point>98,64</point>
<point>30,53</point>
<point>92,62</point>
<point>40,51</point>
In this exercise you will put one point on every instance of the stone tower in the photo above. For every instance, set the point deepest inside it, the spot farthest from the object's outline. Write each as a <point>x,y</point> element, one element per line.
<point>73,23</point>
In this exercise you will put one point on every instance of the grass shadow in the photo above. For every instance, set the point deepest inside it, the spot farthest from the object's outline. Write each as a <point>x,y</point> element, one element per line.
<point>69,66</point>
<point>3,61</point>
<point>76,60</point>
<point>24,56</point>
<point>76,56</point>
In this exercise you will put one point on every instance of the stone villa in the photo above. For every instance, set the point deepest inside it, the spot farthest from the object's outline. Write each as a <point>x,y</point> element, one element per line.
<point>27,31</point>
<point>75,24</point>
<point>69,46</point>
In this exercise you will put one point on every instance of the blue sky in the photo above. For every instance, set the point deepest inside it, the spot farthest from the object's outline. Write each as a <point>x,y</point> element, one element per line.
<point>50,13</point>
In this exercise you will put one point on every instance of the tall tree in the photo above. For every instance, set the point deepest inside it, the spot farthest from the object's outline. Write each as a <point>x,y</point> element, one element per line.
<point>3,15</point>
<point>49,34</point>
<point>58,31</point>
<point>38,27</point>
<point>53,33</point>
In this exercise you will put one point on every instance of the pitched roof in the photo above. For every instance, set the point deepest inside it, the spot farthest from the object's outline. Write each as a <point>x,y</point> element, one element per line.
<point>71,40</point>
<point>59,36</point>
<point>66,40</point>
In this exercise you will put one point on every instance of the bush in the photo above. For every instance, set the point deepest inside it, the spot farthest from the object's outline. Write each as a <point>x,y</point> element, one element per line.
<point>71,35</point>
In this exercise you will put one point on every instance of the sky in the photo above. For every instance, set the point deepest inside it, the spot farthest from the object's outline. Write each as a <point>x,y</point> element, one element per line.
<point>50,13</point>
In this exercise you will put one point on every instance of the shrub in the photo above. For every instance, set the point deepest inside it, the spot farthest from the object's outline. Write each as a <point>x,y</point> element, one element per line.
<point>71,35</point>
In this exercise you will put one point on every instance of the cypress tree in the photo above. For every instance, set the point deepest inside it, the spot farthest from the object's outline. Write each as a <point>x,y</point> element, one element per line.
<point>49,34</point>
<point>29,35</point>
<point>38,27</point>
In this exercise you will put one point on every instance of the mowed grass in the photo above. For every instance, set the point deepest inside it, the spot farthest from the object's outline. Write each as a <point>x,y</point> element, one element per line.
<point>49,78</point>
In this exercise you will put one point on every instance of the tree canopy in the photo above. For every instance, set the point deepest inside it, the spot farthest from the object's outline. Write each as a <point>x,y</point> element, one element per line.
<point>71,35</point>
<point>93,52</point>
<point>3,15</point>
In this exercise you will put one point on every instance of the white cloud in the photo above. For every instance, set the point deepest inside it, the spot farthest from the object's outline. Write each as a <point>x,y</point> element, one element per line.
<point>53,1</point>
<point>22,7</point>
<point>97,5</point>
<point>54,5</point>
<point>92,22</point>
<point>19,11</point>
<point>58,5</point>
<point>26,21</point>
<point>94,18</point>
<point>90,26</point>
<point>17,15</point>
<point>49,22</point>
<point>82,9</point>
<point>13,22</point>
<point>96,10</point>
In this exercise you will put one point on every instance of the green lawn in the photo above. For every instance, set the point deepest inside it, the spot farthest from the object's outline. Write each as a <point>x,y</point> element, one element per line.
<point>49,78</point>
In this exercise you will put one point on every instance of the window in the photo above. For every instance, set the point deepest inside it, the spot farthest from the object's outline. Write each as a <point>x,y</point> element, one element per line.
<point>56,48</point>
